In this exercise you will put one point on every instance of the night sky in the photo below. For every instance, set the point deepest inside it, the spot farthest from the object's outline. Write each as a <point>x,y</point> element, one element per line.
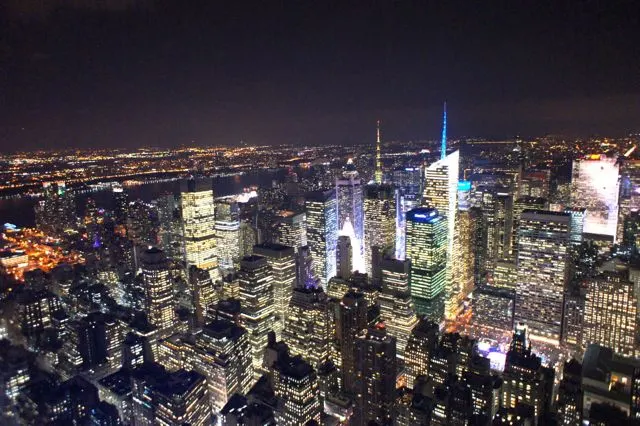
<point>125,73</point>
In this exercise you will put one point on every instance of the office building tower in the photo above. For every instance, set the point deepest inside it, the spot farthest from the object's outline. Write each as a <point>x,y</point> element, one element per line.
<point>535,183</point>
<point>344,257</point>
<point>378,173</point>
<point>463,259</point>
<point>441,193</point>
<point>322,233</point>
<point>396,306</point>
<point>543,267</point>
<point>142,224</point>
<point>248,239</point>
<point>282,261</point>
<point>376,369</point>
<point>307,329</point>
<point>629,200</point>
<point>573,317</point>
<point>169,228</point>
<point>422,341</point>
<point>15,370</point>
<point>257,301</point>
<point>171,399</point>
<point>227,234</point>
<point>426,248</point>
<point>351,320</point>
<point>519,205</point>
<point>349,195</point>
<point>198,225</point>
<point>525,380</point>
<point>203,292</point>
<point>296,386</point>
<point>631,232</point>
<point>305,275</point>
<point>291,229</point>
<point>569,402</point>
<point>120,204</point>
<point>379,222</point>
<point>159,302</point>
<point>595,186</point>
<point>610,313</point>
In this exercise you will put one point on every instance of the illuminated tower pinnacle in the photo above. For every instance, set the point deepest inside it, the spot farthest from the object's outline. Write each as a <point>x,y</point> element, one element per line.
<point>443,144</point>
<point>378,173</point>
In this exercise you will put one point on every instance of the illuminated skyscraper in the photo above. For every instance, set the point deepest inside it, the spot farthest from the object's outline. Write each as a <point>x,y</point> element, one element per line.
<point>159,302</point>
<point>282,261</point>
<point>520,205</point>
<point>543,267</point>
<point>198,219</point>
<point>426,247</point>
<point>257,301</point>
<point>629,191</point>
<point>322,233</point>
<point>610,313</point>
<point>595,186</point>
<point>203,292</point>
<point>307,329</point>
<point>376,370</point>
<point>56,211</point>
<point>227,234</point>
<point>379,221</point>
<point>291,229</point>
<point>396,306</point>
<point>351,320</point>
<point>378,172</point>
<point>350,202</point>
<point>422,341</point>
<point>463,258</point>
<point>344,257</point>
<point>441,193</point>
<point>120,205</point>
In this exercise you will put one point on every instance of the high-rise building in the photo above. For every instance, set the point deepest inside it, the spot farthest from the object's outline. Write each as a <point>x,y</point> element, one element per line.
<point>56,211</point>
<point>441,193</point>
<point>519,205</point>
<point>282,261</point>
<point>376,368</point>
<point>379,221</point>
<point>198,220</point>
<point>307,329</point>
<point>422,341</point>
<point>305,274</point>
<point>227,234</point>
<point>291,229</point>
<point>629,191</point>
<point>203,292</point>
<point>349,194</point>
<point>159,303</point>
<point>543,267</point>
<point>525,380</point>
<point>595,186</point>
<point>296,385</point>
<point>463,259</point>
<point>169,227</point>
<point>322,233</point>
<point>569,402</point>
<point>378,173</point>
<point>344,257</point>
<point>351,320</point>
<point>426,247</point>
<point>396,305</point>
<point>257,301</point>
<point>610,313</point>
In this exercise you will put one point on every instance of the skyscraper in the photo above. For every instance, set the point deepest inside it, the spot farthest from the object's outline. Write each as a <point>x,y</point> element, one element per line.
<point>257,301</point>
<point>351,320</point>
<point>203,292</point>
<point>322,233</point>
<point>595,186</point>
<point>227,234</point>
<point>350,198</point>
<point>344,257</point>
<point>198,220</point>
<point>158,301</point>
<point>441,193</point>
<point>422,341</point>
<point>291,229</point>
<point>378,172</point>
<point>379,221</point>
<point>610,313</point>
<point>426,247</point>
<point>396,306</point>
<point>376,370</point>
<point>282,261</point>
<point>543,267</point>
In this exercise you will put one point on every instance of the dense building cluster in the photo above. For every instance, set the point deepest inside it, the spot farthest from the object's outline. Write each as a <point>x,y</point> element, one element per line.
<point>475,286</point>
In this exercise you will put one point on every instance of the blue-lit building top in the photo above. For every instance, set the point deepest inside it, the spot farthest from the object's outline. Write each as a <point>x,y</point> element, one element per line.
<point>424,215</point>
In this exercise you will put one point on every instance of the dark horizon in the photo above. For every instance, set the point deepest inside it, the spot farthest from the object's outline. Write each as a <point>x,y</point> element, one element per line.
<point>126,74</point>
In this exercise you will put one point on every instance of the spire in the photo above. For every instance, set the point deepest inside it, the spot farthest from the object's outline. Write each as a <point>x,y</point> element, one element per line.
<point>443,144</point>
<point>378,173</point>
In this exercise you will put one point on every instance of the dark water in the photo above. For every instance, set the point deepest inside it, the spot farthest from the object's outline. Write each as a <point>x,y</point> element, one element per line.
<point>19,211</point>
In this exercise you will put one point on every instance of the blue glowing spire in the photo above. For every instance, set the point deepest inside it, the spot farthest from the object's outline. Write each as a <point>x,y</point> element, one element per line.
<point>443,144</point>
